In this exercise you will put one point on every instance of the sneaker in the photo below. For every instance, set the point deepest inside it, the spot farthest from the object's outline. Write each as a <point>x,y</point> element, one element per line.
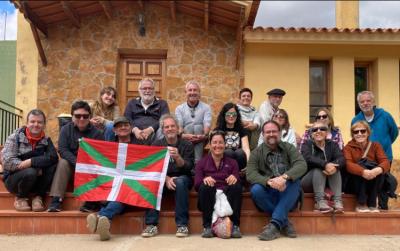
<point>182,231</point>
<point>103,228</point>
<point>21,204</point>
<point>338,206</point>
<point>323,207</point>
<point>289,231</point>
<point>91,222</point>
<point>150,231</point>
<point>55,205</point>
<point>236,232</point>
<point>207,233</point>
<point>373,209</point>
<point>37,204</point>
<point>362,209</point>
<point>269,233</point>
<point>89,207</point>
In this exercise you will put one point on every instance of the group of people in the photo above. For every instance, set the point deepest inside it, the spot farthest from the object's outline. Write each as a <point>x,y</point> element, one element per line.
<point>259,147</point>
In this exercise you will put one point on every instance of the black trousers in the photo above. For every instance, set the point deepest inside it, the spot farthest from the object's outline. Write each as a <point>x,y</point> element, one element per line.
<point>206,202</point>
<point>26,181</point>
<point>239,155</point>
<point>367,190</point>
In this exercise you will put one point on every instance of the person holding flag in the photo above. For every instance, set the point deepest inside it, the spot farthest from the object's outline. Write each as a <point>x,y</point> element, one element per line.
<point>178,179</point>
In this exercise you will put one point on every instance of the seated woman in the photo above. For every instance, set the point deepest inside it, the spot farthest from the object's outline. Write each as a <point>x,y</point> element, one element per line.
<point>367,181</point>
<point>29,160</point>
<point>287,132</point>
<point>334,134</point>
<point>324,160</point>
<point>105,110</point>
<point>217,171</point>
<point>236,139</point>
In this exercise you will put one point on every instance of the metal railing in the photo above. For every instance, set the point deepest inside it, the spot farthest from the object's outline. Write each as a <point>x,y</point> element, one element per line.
<point>10,119</point>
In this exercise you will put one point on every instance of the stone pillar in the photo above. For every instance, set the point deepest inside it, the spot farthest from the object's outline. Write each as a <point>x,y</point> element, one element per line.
<point>347,14</point>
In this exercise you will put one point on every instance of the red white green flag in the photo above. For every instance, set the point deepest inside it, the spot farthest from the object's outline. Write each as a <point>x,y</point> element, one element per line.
<point>131,174</point>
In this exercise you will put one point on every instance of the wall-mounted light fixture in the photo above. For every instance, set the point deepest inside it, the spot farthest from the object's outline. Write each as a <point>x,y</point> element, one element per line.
<point>142,29</point>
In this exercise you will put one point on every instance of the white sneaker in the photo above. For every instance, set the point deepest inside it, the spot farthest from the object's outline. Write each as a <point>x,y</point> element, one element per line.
<point>373,209</point>
<point>103,228</point>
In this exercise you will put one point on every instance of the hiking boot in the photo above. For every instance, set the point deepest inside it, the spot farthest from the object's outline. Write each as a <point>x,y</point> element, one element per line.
<point>55,205</point>
<point>338,206</point>
<point>150,231</point>
<point>236,232</point>
<point>37,204</point>
<point>269,233</point>
<point>91,222</point>
<point>323,207</point>
<point>103,228</point>
<point>362,209</point>
<point>373,209</point>
<point>182,231</point>
<point>289,231</point>
<point>21,204</point>
<point>89,207</point>
<point>207,233</point>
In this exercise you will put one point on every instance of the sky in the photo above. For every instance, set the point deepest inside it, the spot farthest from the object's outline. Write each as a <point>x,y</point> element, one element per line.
<point>373,14</point>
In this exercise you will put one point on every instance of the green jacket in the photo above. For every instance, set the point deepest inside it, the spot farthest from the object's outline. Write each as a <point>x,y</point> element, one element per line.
<point>258,172</point>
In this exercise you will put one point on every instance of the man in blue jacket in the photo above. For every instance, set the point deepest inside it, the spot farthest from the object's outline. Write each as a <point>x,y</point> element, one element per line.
<point>383,127</point>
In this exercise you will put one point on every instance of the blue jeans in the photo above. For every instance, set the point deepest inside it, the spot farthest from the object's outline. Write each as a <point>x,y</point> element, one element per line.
<point>276,203</point>
<point>109,134</point>
<point>183,185</point>
<point>111,209</point>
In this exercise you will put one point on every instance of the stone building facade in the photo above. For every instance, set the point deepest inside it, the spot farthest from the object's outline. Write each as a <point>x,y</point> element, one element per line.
<point>82,61</point>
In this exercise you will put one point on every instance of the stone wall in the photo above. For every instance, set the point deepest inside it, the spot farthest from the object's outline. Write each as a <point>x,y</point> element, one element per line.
<point>82,61</point>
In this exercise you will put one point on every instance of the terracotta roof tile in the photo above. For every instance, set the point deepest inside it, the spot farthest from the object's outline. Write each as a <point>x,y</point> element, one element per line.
<point>323,30</point>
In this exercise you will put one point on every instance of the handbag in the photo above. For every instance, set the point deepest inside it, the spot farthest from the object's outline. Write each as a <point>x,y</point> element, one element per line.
<point>366,163</point>
<point>222,228</point>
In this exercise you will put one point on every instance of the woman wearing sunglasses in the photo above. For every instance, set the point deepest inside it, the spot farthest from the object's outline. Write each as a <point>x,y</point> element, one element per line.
<point>287,133</point>
<point>324,161</point>
<point>105,110</point>
<point>367,180</point>
<point>236,139</point>
<point>334,134</point>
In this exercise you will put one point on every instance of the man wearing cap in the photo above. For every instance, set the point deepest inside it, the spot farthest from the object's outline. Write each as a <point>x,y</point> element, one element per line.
<point>270,106</point>
<point>101,222</point>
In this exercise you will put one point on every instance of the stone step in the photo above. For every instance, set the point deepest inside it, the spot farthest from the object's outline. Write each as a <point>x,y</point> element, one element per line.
<point>305,222</point>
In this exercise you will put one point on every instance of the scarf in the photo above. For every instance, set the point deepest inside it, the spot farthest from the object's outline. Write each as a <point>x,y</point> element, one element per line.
<point>32,139</point>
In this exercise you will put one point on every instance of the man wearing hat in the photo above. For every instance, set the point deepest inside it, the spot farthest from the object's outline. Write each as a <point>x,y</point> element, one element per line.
<point>270,106</point>
<point>101,222</point>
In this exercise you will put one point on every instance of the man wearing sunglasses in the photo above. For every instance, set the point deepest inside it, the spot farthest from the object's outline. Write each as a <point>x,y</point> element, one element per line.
<point>68,144</point>
<point>194,117</point>
<point>270,106</point>
<point>383,127</point>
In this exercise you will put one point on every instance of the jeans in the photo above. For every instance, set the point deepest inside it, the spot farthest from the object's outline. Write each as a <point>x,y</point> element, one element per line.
<point>276,203</point>
<point>183,185</point>
<point>109,134</point>
<point>315,181</point>
<point>111,209</point>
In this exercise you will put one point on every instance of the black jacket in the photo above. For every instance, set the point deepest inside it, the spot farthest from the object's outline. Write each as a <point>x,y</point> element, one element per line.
<point>316,158</point>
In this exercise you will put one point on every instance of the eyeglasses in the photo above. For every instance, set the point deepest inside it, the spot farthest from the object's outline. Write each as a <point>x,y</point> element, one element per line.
<point>321,116</point>
<point>362,131</point>
<point>192,112</point>
<point>321,129</point>
<point>147,88</point>
<point>80,116</point>
<point>279,116</point>
<point>230,114</point>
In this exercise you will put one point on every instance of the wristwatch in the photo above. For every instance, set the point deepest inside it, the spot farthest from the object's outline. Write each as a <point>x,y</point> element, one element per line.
<point>285,176</point>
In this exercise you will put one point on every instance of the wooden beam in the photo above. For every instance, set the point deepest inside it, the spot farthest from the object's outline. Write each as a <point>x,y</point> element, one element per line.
<point>239,37</point>
<point>38,44</point>
<point>32,18</point>
<point>172,8</point>
<point>71,13</point>
<point>107,8</point>
<point>206,15</point>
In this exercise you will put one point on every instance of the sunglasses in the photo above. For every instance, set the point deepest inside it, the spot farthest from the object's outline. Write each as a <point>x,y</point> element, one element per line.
<point>230,114</point>
<point>362,131</point>
<point>80,116</point>
<point>321,116</point>
<point>192,112</point>
<point>321,129</point>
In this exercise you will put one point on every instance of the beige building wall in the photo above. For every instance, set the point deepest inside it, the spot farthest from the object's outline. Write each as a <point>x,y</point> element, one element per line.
<point>26,86</point>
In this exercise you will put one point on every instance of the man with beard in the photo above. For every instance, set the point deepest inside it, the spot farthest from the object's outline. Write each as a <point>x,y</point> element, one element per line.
<point>145,111</point>
<point>274,170</point>
<point>270,106</point>
<point>178,179</point>
<point>383,129</point>
<point>194,118</point>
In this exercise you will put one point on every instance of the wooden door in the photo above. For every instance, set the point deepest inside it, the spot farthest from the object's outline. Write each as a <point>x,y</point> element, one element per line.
<point>135,68</point>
